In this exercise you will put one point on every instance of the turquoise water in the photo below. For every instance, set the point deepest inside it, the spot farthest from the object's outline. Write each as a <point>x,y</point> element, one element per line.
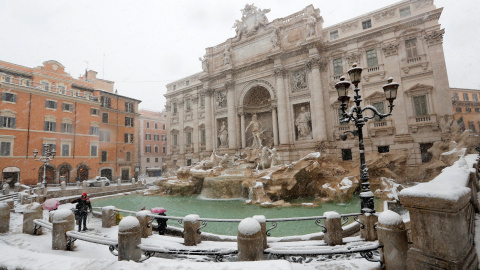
<point>181,206</point>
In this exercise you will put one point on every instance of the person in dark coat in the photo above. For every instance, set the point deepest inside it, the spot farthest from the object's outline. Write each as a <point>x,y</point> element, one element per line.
<point>162,224</point>
<point>83,206</point>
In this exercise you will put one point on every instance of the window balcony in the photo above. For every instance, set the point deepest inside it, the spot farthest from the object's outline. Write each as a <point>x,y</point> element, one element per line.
<point>421,121</point>
<point>339,129</point>
<point>416,64</point>
<point>385,126</point>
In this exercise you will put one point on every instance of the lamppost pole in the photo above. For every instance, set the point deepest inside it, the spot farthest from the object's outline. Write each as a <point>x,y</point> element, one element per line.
<point>49,155</point>
<point>355,114</point>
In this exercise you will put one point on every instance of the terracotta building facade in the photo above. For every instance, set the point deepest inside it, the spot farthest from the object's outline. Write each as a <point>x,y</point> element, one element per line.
<point>153,142</point>
<point>273,85</point>
<point>45,105</point>
<point>466,106</point>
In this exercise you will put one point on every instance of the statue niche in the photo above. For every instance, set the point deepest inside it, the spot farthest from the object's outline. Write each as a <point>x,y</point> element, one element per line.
<point>258,120</point>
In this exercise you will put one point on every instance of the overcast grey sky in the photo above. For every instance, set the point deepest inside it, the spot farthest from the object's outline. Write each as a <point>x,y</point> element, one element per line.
<point>142,45</point>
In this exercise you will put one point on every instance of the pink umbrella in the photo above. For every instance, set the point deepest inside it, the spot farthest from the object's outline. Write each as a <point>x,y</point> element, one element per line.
<point>158,210</point>
<point>51,204</point>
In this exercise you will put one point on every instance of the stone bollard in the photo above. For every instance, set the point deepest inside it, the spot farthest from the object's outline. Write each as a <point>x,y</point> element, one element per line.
<point>6,189</point>
<point>108,216</point>
<point>23,197</point>
<point>133,181</point>
<point>31,212</point>
<point>333,225</point>
<point>11,203</point>
<point>393,235</point>
<point>129,236</point>
<point>263,225</point>
<point>119,182</point>
<point>4,217</point>
<point>78,184</point>
<point>144,220</point>
<point>63,185</point>
<point>368,232</point>
<point>102,184</point>
<point>16,187</point>
<point>50,216</point>
<point>84,184</point>
<point>249,240</point>
<point>191,236</point>
<point>63,221</point>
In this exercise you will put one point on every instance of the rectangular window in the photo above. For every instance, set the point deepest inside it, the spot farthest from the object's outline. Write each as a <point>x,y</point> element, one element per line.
<point>468,110</point>
<point>105,102</point>
<point>148,160</point>
<point>94,111</point>
<point>8,79</point>
<point>94,130</point>
<point>174,107</point>
<point>5,149</point>
<point>148,137</point>
<point>148,124</point>
<point>148,149</point>
<point>65,150</point>
<point>380,108</point>
<point>164,137</point>
<point>420,104</point>
<point>67,128</point>
<point>62,90</point>
<point>129,107</point>
<point>372,58</point>
<point>93,150</point>
<point>104,117</point>
<point>104,136</point>
<point>465,97</point>
<point>477,110</point>
<point>458,109</point>
<point>10,97</point>
<point>337,66</point>
<point>46,86</point>
<point>164,149</point>
<point>188,105</point>
<point>163,126</point>
<point>51,146</point>
<point>383,149</point>
<point>104,156</point>
<point>334,35</point>
<point>475,97</point>
<point>455,96</point>
<point>128,138</point>
<point>128,156</point>
<point>50,126</point>
<point>7,122</point>
<point>175,139</point>
<point>346,154</point>
<point>67,107</point>
<point>156,126</point>
<point>202,136</point>
<point>404,12</point>
<point>411,46</point>
<point>155,148</point>
<point>128,121</point>
<point>189,138</point>
<point>367,24</point>
<point>202,101</point>
<point>156,160</point>
<point>189,162</point>
<point>51,104</point>
<point>156,137</point>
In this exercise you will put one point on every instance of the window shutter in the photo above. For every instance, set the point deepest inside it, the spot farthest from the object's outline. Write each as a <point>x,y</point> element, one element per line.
<point>4,96</point>
<point>45,126</point>
<point>13,122</point>
<point>14,98</point>
<point>54,126</point>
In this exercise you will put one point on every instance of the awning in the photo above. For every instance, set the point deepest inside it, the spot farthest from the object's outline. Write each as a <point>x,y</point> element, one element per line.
<point>154,169</point>
<point>11,169</point>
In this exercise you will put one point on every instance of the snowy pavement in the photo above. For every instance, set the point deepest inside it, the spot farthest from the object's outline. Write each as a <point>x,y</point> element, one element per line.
<point>23,251</point>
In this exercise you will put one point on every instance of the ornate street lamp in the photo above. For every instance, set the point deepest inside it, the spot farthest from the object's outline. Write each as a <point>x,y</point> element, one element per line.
<point>355,114</point>
<point>49,155</point>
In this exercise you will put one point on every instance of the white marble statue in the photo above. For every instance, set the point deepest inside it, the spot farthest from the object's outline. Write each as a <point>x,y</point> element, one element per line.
<point>204,63</point>
<point>311,21</point>
<point>302,124</point>
<point>256,132</point>
<point>264,158</point>
<point>275,158</point>
<point>223,135</point>
<point>227,56</point>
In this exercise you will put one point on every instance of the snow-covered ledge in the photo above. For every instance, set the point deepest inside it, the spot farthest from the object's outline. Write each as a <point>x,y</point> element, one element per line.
<point>442,214</point>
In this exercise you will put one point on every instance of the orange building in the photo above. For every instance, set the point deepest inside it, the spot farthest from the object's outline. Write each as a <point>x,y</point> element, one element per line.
<point>45,105</point>
<point>153,142</point>
<point>466,106</point>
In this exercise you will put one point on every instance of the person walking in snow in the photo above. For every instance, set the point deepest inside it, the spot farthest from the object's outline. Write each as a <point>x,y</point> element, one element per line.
<point>162,224</point>
<point>83,206</point>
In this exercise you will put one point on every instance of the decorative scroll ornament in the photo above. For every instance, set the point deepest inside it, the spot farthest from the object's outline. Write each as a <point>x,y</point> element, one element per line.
<point>279,72</point>
<point>390,49</point>
<point>353,58</point>
<point>435,37</point>
<point>252,19</point>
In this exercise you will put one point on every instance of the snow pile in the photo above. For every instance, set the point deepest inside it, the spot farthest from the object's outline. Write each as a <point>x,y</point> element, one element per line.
<point>249,226</point>
<point>450,185</point>
<point>390,218</point>
<point>258,184</point>
<point>311,156</point>
<point>260,218</point>
<point>143,213</point>
<point>32,207</point>
<point>128,223</point>
<point>345,183</point>
<point>327,186</point>
<point>191,218</point>
<point>331,214</point>
<point>110,207</point>
<point>61,214</point>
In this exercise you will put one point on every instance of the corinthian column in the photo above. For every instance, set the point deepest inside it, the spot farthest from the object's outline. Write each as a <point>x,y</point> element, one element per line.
<point>242,129</point>
<point>317,105</point>
<point>195,135</point>
<point>208,120</point>
<point>181,132</point>
<point>282,106</point>
<point>232,135</point>
<point>274,125</point>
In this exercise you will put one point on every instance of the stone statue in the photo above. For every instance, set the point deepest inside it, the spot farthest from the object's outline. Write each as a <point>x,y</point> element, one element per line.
<point>261,17</point>
<point>223,135</point>
<point>240,28</point>
<point>256,132</point>
<point>302,124</point>
<point>223,161</point>
<point>264,158</point>
<point>275,39</point>
<point>227,56</point>
<point>310,20</point>
<point>221,99</point>
<point>299,80</point>
<point>204,63</point>
<point>275,158</point>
